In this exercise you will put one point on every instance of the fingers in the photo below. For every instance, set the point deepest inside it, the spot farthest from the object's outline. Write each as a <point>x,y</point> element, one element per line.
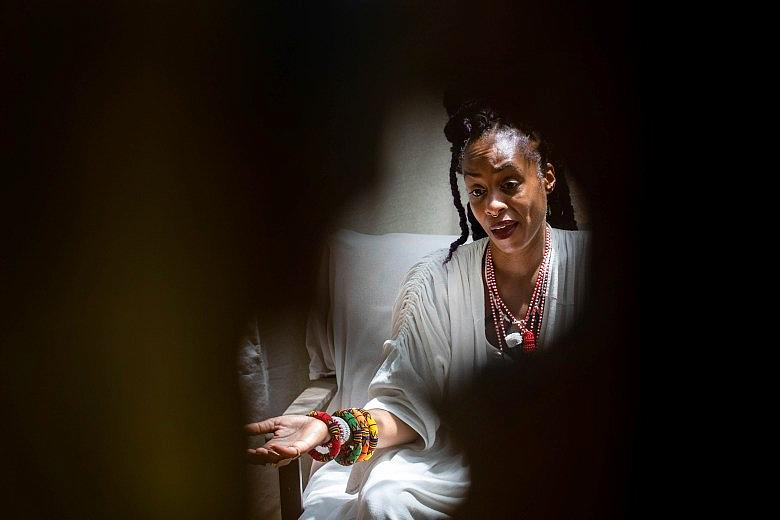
<point>286,452</point>
<point>275,455</point>
<point>262,456</point>
<point>258,428</point>
<point>285,462</point>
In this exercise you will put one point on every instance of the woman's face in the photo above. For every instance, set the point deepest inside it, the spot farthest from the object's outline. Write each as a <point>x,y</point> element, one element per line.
<point>506,194</point>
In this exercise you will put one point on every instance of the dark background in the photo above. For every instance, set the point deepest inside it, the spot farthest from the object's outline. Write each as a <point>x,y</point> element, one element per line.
<point>168,166</point>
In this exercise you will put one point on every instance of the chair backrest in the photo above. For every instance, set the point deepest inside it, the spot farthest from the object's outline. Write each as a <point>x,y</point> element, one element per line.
<point>359,281</point>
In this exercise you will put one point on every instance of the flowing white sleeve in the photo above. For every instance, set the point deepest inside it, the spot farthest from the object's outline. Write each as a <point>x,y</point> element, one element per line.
<point>412,377</point>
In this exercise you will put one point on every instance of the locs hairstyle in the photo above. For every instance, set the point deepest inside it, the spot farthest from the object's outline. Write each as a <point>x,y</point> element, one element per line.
<point>469,121</point>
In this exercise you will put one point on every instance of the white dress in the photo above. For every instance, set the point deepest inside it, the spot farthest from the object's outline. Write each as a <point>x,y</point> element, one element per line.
<point>438,344</point>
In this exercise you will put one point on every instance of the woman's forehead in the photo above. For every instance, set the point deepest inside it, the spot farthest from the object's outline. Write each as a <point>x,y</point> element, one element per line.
<point>503,142</point>
<point>497,149</point>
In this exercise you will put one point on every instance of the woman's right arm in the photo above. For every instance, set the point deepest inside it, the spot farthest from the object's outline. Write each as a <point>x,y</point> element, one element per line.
<point>294,435</point>
<point>392,430</point>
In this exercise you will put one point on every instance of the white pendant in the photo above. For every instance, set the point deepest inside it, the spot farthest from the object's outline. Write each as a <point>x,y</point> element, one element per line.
<point>514,339</point>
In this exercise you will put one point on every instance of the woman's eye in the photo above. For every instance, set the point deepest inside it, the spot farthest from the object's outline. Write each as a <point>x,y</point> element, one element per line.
<point>511,186</point>
<point>477,192</point>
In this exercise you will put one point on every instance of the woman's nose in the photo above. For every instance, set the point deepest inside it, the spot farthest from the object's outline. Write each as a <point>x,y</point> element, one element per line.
<point>494,207</point>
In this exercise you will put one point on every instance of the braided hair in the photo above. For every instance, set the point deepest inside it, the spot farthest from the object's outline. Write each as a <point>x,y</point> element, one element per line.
<point>468,123</point>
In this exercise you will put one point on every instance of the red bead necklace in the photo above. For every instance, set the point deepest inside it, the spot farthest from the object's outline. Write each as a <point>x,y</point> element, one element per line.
<point>529,327</point>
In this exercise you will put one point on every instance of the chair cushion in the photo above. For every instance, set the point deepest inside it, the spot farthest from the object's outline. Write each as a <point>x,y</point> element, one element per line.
<point>359,281</point>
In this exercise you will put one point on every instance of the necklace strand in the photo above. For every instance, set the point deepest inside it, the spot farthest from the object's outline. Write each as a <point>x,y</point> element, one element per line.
<point>530,326</point>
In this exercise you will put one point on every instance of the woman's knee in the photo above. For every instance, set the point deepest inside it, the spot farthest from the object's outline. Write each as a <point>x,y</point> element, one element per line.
<point>387,500</point>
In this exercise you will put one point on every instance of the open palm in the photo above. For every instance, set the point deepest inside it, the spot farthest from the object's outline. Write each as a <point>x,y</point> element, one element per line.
<point>293,435</point>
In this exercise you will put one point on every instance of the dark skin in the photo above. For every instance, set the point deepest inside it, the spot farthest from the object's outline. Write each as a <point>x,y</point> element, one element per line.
<point>294,435</point>
<point>503,185</point>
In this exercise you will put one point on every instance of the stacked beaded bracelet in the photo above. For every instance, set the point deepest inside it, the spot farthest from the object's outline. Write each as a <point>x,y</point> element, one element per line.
<point>351,450</point>
<point>373,436</point>
<point>361,419</point>
<point>357,436</point>
<point>370,438</point>
<point>363,440</point>
<point>338,436</point>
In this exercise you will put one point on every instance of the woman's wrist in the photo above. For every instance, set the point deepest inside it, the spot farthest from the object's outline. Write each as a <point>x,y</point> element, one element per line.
<point>329,440</point>
<point>348,436</point>
<point>325,437</point>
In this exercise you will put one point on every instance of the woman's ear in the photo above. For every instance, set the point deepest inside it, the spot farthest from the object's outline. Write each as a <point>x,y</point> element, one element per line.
<point>549,178</point>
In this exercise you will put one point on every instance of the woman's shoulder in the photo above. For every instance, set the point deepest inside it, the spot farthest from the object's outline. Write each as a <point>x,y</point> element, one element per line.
<point>432,270</point>
<point>571,239</point>
<point>475,247</point>
<point>468,254</point>
<point>576,234</point>
<point>431,266</point>
<point>434,262</point>
<point>572,258</point>
<point>423,290</point>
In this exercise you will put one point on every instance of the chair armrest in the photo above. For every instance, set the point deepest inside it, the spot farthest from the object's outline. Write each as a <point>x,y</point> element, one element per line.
<point>315,397</point>
<point>294,476</point>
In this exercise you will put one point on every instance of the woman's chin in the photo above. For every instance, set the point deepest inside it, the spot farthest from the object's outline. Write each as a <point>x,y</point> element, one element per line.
<point>507,247</point>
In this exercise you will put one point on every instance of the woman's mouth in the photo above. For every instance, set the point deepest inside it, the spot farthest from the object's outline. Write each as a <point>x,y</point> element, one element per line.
<point>504,230</point>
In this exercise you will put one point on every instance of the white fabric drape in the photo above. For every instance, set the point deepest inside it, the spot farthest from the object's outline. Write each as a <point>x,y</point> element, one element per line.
<point>437,344</point>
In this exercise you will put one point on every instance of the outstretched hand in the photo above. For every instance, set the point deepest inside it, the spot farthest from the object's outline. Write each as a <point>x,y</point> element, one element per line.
<point>293,435</point>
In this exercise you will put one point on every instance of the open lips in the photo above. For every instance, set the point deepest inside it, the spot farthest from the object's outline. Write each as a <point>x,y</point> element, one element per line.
<point>503,229</point>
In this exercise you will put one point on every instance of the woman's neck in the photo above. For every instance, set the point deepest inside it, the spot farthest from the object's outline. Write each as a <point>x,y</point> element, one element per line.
<point>521,266</point>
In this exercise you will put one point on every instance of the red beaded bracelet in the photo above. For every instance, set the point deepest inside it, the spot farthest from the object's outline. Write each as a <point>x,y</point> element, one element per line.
<point>334,446</point>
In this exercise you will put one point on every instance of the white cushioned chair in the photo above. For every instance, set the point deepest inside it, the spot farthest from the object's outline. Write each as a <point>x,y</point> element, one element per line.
<point>359,279</point>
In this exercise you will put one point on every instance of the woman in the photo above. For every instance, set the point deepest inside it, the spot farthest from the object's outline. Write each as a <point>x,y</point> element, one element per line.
<point>509,293</point>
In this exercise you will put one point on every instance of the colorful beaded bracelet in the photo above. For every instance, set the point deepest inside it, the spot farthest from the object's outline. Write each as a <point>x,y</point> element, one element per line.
<point>351,450</point>
<point>373,432</point>
<point>336,440</point>
<point>354,436</point>
<point>346,433</point>
<point>370,433</point>
<point>363,429</point>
